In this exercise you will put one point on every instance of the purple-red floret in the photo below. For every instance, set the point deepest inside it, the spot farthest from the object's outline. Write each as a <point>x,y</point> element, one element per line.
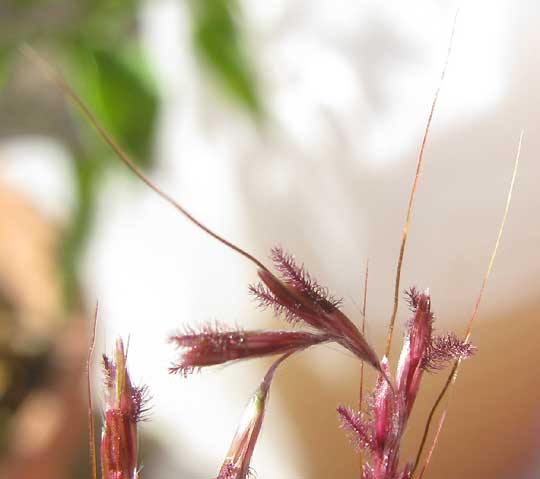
<point>124,405</point>
<point>385,411</point>
<point>237,462</point>
<point>300,279</point>
<point>444,349</point>
<point>141,398</point>
<point>417,343</point>
<point>216,344</point>
<point>359,428</point>
<point>379,430</point>
<point>413,297</point>
<point>300,298</point>
<point>280,302</point>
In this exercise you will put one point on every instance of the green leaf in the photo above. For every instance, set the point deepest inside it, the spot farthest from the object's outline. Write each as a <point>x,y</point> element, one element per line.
<point>219,44</point>
<point>86,175</point>
<point>129,101</point>
<point>118,88</point>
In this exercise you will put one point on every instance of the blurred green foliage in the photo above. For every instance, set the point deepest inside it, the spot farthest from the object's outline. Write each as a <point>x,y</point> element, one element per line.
<point>218,41</point>
<point>118,87</point>
<point>96,45</point>
<point>5,58</point>
<point>123,88</point>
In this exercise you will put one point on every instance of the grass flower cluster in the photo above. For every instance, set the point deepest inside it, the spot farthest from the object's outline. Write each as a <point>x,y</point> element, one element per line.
<point>376,428</point>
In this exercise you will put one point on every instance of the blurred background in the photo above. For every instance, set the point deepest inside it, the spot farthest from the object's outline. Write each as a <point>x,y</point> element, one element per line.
<point>293,123</point>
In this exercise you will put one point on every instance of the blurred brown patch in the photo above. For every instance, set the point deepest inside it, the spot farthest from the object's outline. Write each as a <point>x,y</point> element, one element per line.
<point>42,350</point>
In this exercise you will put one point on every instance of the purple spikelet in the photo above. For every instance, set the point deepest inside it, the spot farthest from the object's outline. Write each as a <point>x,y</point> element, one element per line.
<point>237,461</point>
<point>389,411</point>
<point>299,298</point>
<point>444,349</point>
<point>299,278</point>
<point>360,430</point>
<point>125,405</point>
<point>218,344</point>
<point>267,299</point>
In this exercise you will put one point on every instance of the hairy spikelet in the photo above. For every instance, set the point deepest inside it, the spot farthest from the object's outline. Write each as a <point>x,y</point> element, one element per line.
<point>412,296</point>
<point>266,299</point>
<point>444,349</point>
<point>141,398</point>
<point>124,406</point>
<point>300,279</point>
<point>359,429</point>
<point>216,344</point>
<point>299,297</point>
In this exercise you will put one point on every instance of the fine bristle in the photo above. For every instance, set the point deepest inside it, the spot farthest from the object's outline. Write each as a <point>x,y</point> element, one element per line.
<point>412,297</point>
<point>214,344</point>
<point>444,349</point>
<point>299,278</point>
<point>141,403</point>
<point>359,429</point>
<point>266,299</point>
<point>299,293</point>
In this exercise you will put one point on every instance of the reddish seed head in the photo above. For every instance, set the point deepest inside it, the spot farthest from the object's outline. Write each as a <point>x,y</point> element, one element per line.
<point>300,280</point>
<point>379,431</point>
<point>301,299</point>
<point>384,409</point>
<point>424,351</point>
<point>124,407</point>
<point>444,349</point>
<point>237,461</point>
<point>416,345</point>
<point>296,294</point>
<point>215,344</point>
<point>421,325</point>
<point>359,427</point>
